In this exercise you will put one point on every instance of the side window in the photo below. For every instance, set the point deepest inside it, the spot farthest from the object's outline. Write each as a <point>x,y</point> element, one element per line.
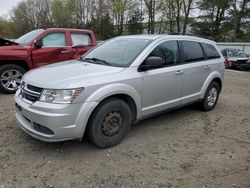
<point>210,51</point>
<point>192,51</point>
<point>80,39</point>
<point>54,39</point>
<point>168,51</point>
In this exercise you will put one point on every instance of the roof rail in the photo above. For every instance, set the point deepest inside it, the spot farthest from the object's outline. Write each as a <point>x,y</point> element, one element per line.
<point>194,35</point>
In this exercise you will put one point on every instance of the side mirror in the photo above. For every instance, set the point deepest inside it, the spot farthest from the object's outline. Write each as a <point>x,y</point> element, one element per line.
<point>38,44</point>
<point>152,62</point>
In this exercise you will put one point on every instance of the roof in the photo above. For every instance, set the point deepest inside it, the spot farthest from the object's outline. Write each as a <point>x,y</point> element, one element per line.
<point>63,29</point>
<point>166,36</point>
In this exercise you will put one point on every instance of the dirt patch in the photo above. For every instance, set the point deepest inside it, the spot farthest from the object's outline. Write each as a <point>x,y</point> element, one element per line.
<point>184,148</point>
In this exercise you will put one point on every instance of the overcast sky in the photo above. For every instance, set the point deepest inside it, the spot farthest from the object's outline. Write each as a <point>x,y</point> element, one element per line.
<point>7,5</point>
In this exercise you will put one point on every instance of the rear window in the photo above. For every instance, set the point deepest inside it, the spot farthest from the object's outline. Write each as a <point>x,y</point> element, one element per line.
<point>210,51</point>
<point>79,39</point>
<point>192,51</point>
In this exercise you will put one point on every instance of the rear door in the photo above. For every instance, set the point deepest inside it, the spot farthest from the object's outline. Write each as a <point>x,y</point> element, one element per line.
<point>197,68</point>
<point>81,42</point>
<point>55,48</point>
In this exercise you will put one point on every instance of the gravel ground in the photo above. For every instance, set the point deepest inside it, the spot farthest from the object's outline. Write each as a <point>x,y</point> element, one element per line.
<point>184,148</point>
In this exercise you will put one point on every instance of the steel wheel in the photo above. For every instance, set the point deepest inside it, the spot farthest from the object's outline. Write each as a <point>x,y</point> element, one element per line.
<point>112,123</point>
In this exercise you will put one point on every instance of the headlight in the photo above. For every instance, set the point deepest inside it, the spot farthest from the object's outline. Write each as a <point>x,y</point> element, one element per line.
<point>60,96</point>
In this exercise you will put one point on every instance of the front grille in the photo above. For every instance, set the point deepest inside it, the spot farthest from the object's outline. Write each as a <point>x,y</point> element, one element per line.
<point>34,88</point>
<point>30,93</point>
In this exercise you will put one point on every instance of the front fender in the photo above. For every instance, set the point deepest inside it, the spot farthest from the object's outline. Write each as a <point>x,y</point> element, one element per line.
<point>115,89</point>
<point>102,93</point>
<point>209,79</point>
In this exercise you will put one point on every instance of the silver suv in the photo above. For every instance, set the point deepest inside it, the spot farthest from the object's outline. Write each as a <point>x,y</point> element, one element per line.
<point>120,82</point>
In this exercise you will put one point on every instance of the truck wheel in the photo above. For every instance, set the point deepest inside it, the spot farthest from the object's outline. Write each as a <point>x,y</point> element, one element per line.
<point>211,97</point>
<point>109,123</point>
<point>10,77</point>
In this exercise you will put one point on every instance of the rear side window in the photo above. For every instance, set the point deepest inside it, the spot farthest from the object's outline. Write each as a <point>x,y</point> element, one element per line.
<point>210,51</point>
<point>54,40</point>
<point>80,39</point>
<point>192,51</point>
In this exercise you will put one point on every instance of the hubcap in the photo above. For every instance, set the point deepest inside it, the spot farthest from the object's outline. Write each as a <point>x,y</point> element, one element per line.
<point>11,79</point>
<point>112,123</point>
<point>212,96</point>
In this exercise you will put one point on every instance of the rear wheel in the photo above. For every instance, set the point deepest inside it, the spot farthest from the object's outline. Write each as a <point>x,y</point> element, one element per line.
<point>10,78</point>
<point>211,96</point>
<point>109,123</point>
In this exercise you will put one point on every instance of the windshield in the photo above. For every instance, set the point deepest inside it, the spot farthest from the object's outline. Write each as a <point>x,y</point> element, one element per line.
<point>120,52</point>
<point>236,53</point>
<point>29,37</point>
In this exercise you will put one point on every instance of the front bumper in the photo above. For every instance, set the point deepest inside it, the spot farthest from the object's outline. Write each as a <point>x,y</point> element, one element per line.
<point>53,122</point>
<point>240,65</point>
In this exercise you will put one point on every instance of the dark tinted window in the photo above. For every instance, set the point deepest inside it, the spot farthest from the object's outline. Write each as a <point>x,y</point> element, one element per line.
<point>168,51</point>
<point>192,51</point>
<point>210,51</point>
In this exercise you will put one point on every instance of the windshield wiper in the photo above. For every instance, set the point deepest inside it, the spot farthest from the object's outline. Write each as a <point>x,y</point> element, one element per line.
<point>96,60</point>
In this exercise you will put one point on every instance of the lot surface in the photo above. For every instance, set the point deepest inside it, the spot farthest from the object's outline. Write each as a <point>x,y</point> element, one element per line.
<point>184,148</point>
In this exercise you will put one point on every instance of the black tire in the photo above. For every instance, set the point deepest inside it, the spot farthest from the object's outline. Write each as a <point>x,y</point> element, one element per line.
<point>16,69</point>
<point>98,126</point>
<point>205,104</point>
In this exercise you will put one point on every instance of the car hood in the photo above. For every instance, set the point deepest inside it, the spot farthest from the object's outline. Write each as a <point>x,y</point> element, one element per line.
<point>5,42</point>
<point>69,74</point>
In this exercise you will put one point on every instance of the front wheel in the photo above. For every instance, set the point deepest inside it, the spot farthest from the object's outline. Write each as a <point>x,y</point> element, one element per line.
<point>211,97</point>
<point>10,78</point>
<point>109,123</point>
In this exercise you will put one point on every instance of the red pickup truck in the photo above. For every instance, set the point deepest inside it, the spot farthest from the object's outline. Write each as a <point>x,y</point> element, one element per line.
<point>38,48</point>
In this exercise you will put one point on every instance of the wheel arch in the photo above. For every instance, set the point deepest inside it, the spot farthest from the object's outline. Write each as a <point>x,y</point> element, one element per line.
<point>215,76</point>
<point>120,91</point>
<point>20,63</point>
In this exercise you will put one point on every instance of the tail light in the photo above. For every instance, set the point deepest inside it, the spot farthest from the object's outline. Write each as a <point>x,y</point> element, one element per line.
<point>226,63</point>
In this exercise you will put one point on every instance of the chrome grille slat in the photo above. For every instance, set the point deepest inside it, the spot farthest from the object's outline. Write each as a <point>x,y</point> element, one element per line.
<point>30,93</point>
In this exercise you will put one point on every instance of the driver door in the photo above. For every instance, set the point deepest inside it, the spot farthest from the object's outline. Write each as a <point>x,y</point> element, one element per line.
<point>162,87</point>
<point>54,49</point>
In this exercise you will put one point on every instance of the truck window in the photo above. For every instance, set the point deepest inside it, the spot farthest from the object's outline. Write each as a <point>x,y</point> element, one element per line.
<point>80,39</point>
<point>54,40</point>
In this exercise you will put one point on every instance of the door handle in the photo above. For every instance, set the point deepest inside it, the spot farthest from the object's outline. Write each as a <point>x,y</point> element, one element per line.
<point>65,52</point>
<point>178,72</point>
<point>206,67</point>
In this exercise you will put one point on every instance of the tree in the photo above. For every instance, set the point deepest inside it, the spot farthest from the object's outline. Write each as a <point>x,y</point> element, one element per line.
<point>212,20</point>
<point>151,8</point>
<point>187,6</point>
<point>63,13</point>
<point>135,22</point>
<point>103,28</point>
<point>119,8</point>
<point>31,14</point>
<point>238,12</point>
<point>5,28</point>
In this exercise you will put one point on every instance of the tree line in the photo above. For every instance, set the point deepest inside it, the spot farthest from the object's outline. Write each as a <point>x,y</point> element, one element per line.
<point>220,20</point>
